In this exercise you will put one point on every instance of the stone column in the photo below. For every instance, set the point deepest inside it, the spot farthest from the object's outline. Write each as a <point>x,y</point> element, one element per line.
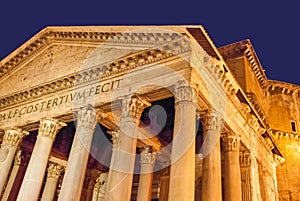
<point>78,159</point>
<point>249,177</point>
<point>164,182</point>
<point>232,171</point>
<point>54,171</point>
<point>182,176</point>
<point>10,143</point>
<point>13,175</point>
<point>123,157</point>
<point>146,175</point>
<point>20,176</point>
<point>211,169</point>
<point>33,179</point>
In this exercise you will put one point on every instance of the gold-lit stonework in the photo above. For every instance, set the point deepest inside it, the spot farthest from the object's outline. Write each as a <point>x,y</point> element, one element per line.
<point>144,113</point>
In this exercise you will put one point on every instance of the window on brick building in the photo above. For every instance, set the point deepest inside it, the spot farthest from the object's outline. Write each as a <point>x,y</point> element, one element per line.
<point>293,124</point>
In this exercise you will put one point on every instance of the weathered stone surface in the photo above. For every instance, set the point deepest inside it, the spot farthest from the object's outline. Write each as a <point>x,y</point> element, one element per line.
<point>120,71</point>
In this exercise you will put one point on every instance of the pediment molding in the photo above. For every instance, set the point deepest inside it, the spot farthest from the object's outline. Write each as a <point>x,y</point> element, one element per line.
<point>49,36</point>
<point>173,48</point>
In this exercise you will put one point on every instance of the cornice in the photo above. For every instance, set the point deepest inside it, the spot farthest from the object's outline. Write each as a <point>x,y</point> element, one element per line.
<point>278,87</point>
<point>282,135</point>
<point>245,48</point>
<point>256,66</point>
<point>254,101</point>
<point>140,58</point>
<point>50,35</point>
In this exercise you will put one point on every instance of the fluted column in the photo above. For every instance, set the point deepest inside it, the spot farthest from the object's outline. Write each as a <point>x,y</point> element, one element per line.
<point>146,175</point>
<point>54,171</point>
<point>211,169</point>
<point>123,156</point>
<point>13,174</point>
<point>182,176</point>
<point>100,187</point>
<point>249,177</point>
<point>10,143</point>
<point>77,163</point>
<point>232,172</point>
<point>33,179</point>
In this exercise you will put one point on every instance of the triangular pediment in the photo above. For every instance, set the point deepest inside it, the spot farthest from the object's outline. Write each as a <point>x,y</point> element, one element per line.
<point>59,56</point>
<point>56,52</point>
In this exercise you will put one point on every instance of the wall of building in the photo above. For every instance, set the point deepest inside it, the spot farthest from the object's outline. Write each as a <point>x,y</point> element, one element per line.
<point>284,108</point>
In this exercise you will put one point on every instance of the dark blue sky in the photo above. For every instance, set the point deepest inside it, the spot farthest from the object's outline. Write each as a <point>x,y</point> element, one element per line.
<point>271,27</point>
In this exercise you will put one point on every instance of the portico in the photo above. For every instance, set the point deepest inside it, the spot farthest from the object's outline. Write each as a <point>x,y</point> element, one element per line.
<point>115,113</point>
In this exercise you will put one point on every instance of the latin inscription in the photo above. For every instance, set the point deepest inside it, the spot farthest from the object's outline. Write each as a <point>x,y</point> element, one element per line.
<point>76,95</point>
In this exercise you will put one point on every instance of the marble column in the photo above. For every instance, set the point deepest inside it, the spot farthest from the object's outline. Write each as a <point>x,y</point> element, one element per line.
<point>54,171</point>
<point>182,176</point>
<point>78,159</point>
<point>20,176</point>
<point>13,175</point>
<point>164,182</point>
<point>123,157</point>
<point>33,179</point>
<point>249,177</point>
<point>211,168</point>
<point>147,159</point>
<point>232,171</point>
<point>10,143</point>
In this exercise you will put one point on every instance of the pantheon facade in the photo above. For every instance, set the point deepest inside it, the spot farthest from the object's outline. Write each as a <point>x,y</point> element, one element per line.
<point>144,113</point>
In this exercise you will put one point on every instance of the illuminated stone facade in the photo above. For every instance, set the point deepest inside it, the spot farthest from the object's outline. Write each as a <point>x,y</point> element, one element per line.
<point>120,113</point>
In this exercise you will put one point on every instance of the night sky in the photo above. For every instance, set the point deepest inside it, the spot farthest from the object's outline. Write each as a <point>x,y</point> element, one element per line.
<point>271,27</point>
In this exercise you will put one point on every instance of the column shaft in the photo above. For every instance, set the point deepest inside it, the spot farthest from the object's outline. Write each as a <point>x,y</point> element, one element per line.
<point>211,171</point>
<point>182,176</point>
<point>146,175</point>
<point>164,188</point>
<point>54,170</point>
<point>211,176</point>
<point>77,163</point>
<point>122,166</point>
<point>33,179</point>
<point>120,176</point>
<point>249,177</point>
<point>232,173</point>
<point>11,140</point>
<point>13,175</point>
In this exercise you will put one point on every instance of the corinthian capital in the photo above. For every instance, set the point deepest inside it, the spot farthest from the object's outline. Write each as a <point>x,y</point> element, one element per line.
<point>247,159</point>
<point>184,94</point>
<point>86,117</point>
<point>115,135</point>
<point>18,158</point>
<point>49,127</point>
<point>100,187</point>
<point>278,159</point>
<point>133,106</point>
<point>54,170</point>
<point>211,120</point>
<point>231,143</point>
<point>13,137</point>
<point>147,156</point>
